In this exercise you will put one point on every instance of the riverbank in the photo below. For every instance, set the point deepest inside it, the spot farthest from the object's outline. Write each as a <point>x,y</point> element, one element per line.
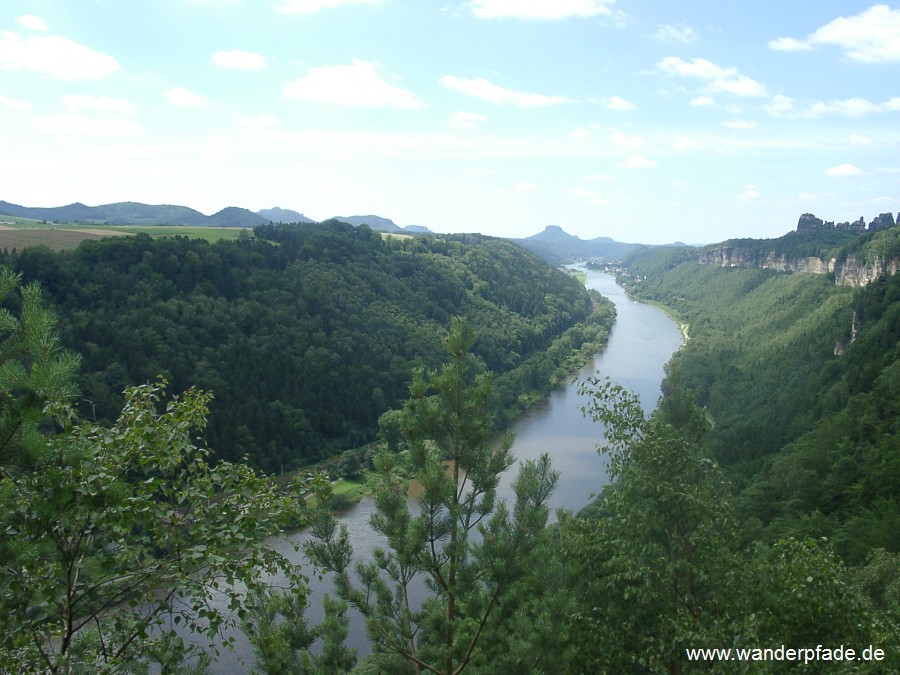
<point>516,392</point>
<point>668,311</point>
<point>639,345</point>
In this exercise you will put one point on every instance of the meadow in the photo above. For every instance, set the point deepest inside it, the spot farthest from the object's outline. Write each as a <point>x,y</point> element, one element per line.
<point>24,232</point>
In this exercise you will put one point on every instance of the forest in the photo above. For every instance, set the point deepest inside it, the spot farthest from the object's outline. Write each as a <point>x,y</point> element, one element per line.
<point>306,335</point>
<point>799,378</point>
<point>756,507</point>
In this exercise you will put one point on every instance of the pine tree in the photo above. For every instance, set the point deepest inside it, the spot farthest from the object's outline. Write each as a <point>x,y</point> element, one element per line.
<point>467,548</point>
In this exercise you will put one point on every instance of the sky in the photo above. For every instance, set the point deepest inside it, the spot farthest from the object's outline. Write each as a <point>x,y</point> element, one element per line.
<point>642,120</point>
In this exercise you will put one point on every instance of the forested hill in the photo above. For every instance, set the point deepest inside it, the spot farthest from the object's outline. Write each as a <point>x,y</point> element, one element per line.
<point>305,334</point>
<point>800,379</point>
<point>853,257</point>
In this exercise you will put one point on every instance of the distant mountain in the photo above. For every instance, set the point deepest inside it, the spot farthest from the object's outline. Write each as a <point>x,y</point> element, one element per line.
<point>557,246</point>
<point>279,215</point>
<point>232,216</point>
<point>135,213</point>
<point>382,224</point>
<point>374,222</point>
<point>76,212</point>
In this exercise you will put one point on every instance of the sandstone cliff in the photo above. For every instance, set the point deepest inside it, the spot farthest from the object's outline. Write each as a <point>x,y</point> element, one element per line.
<point>857,256</point>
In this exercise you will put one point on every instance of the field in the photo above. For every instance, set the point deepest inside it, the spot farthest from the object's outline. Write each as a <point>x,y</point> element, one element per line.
<point>211,234</point>
<point>21,233</point>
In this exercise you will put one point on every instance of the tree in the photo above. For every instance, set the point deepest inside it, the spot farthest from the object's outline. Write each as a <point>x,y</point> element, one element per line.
<point>653,578</point>
<point>282,638</point>
<point>35,372</point>
<point>661,567</point>
<point>112,538</point>
<point>469,550</point>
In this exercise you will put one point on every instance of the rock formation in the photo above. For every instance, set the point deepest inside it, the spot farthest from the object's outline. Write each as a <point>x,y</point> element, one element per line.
<point>882,222</point>
<point>847,271</point>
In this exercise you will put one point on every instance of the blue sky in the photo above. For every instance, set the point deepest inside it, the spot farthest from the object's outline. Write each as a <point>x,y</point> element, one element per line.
<point>641,120</point>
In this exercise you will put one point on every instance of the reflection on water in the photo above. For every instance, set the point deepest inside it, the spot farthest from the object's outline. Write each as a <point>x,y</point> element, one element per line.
<point>642,341</point>
<point>640,344</point>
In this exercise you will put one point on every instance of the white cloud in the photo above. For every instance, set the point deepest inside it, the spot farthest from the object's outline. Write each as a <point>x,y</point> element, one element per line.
<point>748,194</point>
<point>727,80</point>
<point>480,88</point>
<point>786,44</point>
<point>236,58</point>
<point>14,104</point>
<point>739,85</point>
<point>183,98</point>
<point>623,140</point>
<point>676,33</point>
<point>872,36</point>
<point>525,186</point>
<point>313,6</point>
<point>702,68</point>
<point>357,84</point>
<point>638,162</point>
<point>844,170</point>
<point>75,102</point>
<point>467,120</point>
<point>700,101</point>
<point>579,134</point>
<point>739,124</point>
<point>76,125</point>
<point>264,121</point>
<point>32,22</point>
<point>782,106</point>
<point>851,107</point>
<point>54,56</point>
<point>617,103</point>
<point>685,144</point>
<point>539,9</point>
<point>857,139</point>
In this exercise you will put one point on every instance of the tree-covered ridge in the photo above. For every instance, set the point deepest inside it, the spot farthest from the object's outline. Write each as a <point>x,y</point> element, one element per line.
<point>305,334</point>
<point>883,245</point>
<point>799,379</point>
<point>822,243</point>
<point>112,536</point>
<point>852,256</point>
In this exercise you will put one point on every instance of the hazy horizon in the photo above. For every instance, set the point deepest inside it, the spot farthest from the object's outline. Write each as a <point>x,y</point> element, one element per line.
<point>643,122</point>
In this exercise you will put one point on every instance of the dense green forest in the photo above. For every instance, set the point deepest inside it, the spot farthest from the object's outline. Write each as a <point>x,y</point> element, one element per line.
<point>819,243</point>
<point>799,379</point>
<point>306,334</point>
<point>755,508</point>
<point>823,243</point>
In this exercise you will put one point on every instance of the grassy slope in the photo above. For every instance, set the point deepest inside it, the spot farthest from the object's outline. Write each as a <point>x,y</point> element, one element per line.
<point>23,232</point>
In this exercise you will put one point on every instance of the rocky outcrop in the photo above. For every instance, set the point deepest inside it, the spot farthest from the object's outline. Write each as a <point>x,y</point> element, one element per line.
<point>857,226</point>
<point>808,221</point>
<point>729,256</point>
<point>882,222</point>
<point>847,271</point>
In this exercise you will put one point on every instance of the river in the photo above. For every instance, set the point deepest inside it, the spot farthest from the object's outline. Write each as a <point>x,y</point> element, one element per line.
<point>641,342</point>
